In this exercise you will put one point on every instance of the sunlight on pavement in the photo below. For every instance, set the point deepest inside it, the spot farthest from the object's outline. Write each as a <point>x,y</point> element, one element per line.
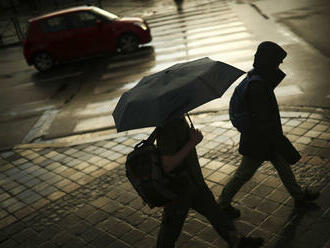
<point>94,123</point>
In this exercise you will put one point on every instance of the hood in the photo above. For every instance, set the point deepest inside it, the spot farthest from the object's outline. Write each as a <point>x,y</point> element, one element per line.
<point>267,59</point>
<point>269,56</point>
<point>130,19</point>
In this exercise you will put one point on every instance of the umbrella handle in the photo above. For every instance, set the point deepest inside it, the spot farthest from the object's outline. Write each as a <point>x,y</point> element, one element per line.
<point>191,124</point>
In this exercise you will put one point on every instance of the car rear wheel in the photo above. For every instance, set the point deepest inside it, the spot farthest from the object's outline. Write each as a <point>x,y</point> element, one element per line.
<point>43,61</point>
<point>128,43</point>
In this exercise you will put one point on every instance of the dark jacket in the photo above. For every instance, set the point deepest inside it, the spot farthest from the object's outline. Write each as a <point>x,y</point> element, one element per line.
<point>266,135</point>
<point>171,137</point>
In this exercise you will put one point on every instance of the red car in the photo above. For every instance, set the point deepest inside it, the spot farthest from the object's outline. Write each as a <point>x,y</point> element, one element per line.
<point>81,32</point>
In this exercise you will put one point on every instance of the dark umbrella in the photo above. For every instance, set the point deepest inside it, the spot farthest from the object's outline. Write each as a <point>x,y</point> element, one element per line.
<point>173,92</point>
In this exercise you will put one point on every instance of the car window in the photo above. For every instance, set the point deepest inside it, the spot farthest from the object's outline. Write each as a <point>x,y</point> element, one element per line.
<point>54,24</point>
<point>83,19</point>
<point>107,15</point>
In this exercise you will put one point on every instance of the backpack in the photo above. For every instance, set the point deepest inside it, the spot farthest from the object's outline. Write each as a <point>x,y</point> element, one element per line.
<point>239,115</point>
<point>144,172</point>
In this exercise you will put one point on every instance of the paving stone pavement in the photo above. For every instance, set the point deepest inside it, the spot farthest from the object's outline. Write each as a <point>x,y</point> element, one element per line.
<point>78,195</point>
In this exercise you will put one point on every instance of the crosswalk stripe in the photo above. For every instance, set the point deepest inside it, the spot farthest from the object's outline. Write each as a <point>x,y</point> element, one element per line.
<point>204,44</point>
<point>178,20</point>
<point>194,23</point>
<point>197,36</point>
<point>244,65</point>
<point>213,49</point>
<point>199,28</point>
<point>210,31</point>
<point>162,55</point>
<point>216,48</point>
<point>161,20</point>
<point>193,42</point>
<point>221,48</point>
<point>120,77</point>
<point>288,90</point>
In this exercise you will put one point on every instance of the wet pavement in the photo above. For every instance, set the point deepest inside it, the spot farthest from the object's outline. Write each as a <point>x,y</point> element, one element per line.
<point>77,195</point>
<point>83,94</point>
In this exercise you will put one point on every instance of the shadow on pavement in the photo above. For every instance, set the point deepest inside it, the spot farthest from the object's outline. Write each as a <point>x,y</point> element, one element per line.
<point>65,75</point>
<point>84,65</point>
<point>289,233</point>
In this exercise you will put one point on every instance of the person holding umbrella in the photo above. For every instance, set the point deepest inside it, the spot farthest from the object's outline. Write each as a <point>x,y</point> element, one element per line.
<point>176,142</point>
<point>162,99</point>
<point>263,139</point>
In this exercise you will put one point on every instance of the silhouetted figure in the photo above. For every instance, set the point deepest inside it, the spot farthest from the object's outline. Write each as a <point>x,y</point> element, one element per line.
<point>179,4</point>
<point>176,142</point>
<point>264,140</point>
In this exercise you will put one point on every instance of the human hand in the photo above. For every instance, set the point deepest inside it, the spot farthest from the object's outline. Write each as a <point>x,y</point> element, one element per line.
<point>196,136</point>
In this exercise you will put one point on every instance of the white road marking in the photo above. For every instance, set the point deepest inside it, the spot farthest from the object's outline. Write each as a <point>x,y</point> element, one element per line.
<point>289,90</point>
<point>94,123</point>
<point>104,107</point>
<point>226,40</point>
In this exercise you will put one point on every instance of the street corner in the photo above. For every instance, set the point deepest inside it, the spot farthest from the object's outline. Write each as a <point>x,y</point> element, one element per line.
<point>68,195</point>
<point>16,130</point>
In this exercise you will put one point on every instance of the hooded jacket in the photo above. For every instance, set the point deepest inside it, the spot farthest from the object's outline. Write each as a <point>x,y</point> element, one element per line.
<point>266,135</point>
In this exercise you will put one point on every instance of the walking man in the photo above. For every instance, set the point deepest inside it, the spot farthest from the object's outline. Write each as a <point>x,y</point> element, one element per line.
<point>176,142</point>
<point>263,139</point>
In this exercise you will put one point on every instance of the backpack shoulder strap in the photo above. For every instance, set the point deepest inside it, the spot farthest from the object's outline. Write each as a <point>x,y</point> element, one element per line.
<point>152,136</point>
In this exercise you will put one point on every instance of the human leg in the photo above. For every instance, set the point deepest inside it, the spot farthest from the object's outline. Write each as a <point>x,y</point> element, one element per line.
<point>205,204</point>
<point>242,175</point>
<point>287,177</point>
<point>289,181</point>
<point>173,219</point>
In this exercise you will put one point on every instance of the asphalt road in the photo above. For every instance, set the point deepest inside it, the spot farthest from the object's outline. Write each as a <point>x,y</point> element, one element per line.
<point>79,97</point>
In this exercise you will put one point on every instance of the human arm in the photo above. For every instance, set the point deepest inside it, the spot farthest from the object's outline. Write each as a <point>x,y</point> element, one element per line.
<point>170,162</point>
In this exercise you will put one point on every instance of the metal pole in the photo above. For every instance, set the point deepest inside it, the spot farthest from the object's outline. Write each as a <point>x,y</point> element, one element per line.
<point>35,5</point>
<point>191,124</point>
<point>56,4</point>
<point>18,29</point>
<point>13,6</point>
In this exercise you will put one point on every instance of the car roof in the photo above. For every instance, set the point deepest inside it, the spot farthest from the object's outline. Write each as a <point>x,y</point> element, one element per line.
<point>61,12</point>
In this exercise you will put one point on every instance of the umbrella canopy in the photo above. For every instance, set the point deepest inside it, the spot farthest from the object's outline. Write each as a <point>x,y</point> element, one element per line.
<point>173,92</point>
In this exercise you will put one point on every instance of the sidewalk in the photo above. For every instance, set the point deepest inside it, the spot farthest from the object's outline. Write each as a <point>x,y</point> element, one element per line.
<point>65,195</point>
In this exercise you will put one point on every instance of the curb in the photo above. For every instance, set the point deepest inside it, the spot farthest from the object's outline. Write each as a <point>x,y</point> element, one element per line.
<point>110,133</point>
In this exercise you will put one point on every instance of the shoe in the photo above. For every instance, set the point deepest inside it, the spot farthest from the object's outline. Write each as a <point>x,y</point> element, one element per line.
<point>308,196</point>
<point>229,210</point>
<point>249,242</point>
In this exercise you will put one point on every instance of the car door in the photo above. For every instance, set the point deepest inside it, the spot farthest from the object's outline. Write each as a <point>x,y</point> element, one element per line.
<point>56,37</point>
<point>86,33</point>
<point>109,29</point>
<point>108,35</point>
